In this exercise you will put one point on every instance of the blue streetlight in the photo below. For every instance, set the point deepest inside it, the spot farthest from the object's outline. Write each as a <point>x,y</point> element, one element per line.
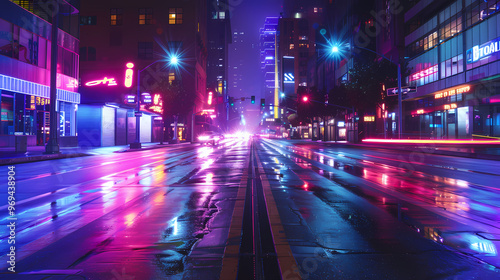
<point>172,61</point>
<point>336,50</point>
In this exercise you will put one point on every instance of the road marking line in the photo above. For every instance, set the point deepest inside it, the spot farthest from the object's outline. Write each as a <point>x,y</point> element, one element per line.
<point>229,269</point>
<point>288,265</point>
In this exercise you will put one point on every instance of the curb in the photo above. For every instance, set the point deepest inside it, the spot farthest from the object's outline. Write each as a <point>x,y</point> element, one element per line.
<point>157,146</point>
<point>19,160</point>
<point>28,159</point>
<point>436,151</point>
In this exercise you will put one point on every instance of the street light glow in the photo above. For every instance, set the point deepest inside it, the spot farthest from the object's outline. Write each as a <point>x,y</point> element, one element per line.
<point>335,49</point>
<point>174,60</point>
<point>305,98</point>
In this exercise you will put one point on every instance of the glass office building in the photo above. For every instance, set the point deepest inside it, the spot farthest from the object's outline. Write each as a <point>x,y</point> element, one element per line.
<point>453,52</point>
<point>25,50</point>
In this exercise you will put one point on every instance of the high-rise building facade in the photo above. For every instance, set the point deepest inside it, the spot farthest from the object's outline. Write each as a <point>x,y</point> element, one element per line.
<point>268,62</point>
<point>219,38</point>
<point>453,50</point>
<point>144,35</point>
<point>25,70</point>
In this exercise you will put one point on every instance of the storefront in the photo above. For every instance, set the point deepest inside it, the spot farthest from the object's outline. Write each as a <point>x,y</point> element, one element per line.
<point>464,112</point>
<point>25,111</point>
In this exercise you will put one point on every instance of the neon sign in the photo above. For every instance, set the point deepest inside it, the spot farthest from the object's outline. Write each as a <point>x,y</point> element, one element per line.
<point>130,99</point>
<point>289,78</point>
<point>420,112</point>
<point>452,92</point>
<point>483,51</point>
<point>129,74</point>
<point>157,105</point>
<point>210,98</point>
<point>424,73</point>
<point>146,98</point>
<point>450,106</point>
<point>109,82</point>
<point>369,118</point>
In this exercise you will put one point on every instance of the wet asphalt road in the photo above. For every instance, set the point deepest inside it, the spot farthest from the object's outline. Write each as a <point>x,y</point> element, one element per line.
<point>331,212</point>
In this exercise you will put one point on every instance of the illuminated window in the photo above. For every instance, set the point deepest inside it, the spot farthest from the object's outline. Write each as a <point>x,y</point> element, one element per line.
<point>171,78</point>
<point>292,46</point>
<point>116,16</point>
<point>303,38</point>
<point>175,16</point>
<point>315,9</point>
<point>145,16</point>
<point>26,4</point>
<point>222,15</point>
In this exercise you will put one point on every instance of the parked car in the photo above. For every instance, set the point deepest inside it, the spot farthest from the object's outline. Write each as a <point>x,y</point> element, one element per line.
<point>209,137</point>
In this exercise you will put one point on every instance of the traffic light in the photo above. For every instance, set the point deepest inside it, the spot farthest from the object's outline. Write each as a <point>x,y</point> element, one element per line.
<point>253,99</point>
<point>231,102</point>
<point>263,102</point>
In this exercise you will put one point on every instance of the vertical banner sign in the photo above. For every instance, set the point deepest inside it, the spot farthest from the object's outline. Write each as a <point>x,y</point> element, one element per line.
<point>129,74</point>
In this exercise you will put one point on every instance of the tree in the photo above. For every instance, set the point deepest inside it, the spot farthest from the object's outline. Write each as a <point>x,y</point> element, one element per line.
<point>177,102</point>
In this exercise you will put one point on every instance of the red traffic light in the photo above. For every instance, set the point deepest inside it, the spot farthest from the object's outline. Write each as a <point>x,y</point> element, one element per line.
<point>305,98</point>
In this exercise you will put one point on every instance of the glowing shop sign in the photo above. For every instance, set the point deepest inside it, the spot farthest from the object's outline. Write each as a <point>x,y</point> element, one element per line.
<point>483,51</point>
<point>452,92</point>
<point>157,105</point>
<point>450,106</point>
<point>424,73</point>
<point>42,101</point>
<point>146,98</point>
<point>289,78</point>
<point>369,118</point>
<point>130,99</point>
<point>109,82</point>
<point>210,98</point>
<point>129,74</point>
<point>420,112</point>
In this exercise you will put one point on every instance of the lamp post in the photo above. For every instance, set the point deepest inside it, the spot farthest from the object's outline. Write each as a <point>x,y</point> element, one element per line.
<point>335,49</point>
<point>173,61</point>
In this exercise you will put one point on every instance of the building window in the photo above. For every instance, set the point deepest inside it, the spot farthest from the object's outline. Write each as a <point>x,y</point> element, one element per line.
<point>452,66</point>
<point>145,16</point>
<point>222,15</point>
<point>175,16</point>
<point>145,50</point>
<point>89,20</point>
<point>315,9</point>
<point>171,78</point>
<point>26,4</point>
<point>116,16</point>
<point>87,54</point>
<point>292,46</point>
<point>83,54</point>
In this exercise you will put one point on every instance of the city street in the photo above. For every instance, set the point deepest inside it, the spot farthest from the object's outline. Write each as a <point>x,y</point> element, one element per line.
<point>255,208</point>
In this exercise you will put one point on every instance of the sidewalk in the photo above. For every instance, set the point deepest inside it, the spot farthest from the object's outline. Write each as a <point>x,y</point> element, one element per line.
<point>8,155</point>
<point>474,149</point>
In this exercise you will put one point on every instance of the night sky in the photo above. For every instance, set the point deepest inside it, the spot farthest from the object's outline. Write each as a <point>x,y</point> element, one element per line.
<point>248,17</point>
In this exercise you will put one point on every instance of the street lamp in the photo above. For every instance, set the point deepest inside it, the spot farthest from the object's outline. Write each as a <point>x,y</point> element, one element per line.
<point>172,61</point>
<point>336,50</point>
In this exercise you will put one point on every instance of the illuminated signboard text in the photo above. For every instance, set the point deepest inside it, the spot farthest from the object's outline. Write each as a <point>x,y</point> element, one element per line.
<point>483,51</point>
<point>450,106</point>
<point>452,92</point>
<point>420,112</point>
<point>109,82</point>
<point>129,74</point>
<point>369,118</point>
